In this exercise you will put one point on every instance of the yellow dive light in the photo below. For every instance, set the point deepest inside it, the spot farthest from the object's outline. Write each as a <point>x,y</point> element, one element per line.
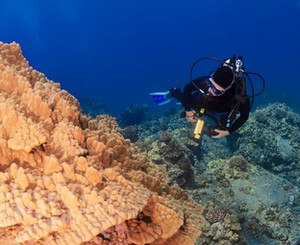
<point>198,129</point>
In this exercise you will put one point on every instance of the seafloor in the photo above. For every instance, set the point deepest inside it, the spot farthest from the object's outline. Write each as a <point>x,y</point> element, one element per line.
<point>248,182</point>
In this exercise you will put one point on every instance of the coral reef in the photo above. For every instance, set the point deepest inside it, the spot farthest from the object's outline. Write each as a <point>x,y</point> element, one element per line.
<point>131,133</point>
<point>67,179</point>
<point>274,127</point>
<point>222,226</point>
<point>262,203</point>
<point>117,234</point>
<point>216,214</point>
<point>258,197</point>
<point>176,158</point>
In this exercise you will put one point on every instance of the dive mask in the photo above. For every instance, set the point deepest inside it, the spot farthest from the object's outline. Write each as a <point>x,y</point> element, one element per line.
<point>216,92</point>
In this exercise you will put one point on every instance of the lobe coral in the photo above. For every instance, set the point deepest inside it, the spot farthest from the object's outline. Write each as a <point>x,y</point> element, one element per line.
<point>68,179</point>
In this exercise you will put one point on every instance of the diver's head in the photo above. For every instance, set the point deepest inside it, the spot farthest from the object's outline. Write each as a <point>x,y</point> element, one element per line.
<point>221,80</point>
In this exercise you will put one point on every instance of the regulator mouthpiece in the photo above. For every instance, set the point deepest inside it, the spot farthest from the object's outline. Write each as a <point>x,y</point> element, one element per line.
<point>238,65</point>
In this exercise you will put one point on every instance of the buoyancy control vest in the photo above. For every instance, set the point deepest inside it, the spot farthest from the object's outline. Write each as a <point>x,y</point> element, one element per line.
<point>209,105</point>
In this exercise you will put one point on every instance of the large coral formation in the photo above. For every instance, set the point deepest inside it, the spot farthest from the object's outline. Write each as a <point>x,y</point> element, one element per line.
<point>66,179</point>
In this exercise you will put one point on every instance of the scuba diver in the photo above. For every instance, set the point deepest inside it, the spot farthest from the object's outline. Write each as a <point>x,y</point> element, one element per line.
<point>221,97</point>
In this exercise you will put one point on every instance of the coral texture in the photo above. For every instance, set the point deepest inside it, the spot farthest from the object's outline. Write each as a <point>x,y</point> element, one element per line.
<point>267,203</point>
<point>264,200</point>
<point>175,156</point>
<point>274,127</point>
<point>67,179</point>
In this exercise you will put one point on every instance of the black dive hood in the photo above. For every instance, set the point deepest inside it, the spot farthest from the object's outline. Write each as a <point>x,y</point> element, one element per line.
<point>236,64</point>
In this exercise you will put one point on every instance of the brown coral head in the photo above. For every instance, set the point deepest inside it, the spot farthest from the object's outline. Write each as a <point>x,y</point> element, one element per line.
<point>114,235</point>
<point>131,133</point>
<point>165,137</point>
<point>238,162</point>
<point>217,214</point>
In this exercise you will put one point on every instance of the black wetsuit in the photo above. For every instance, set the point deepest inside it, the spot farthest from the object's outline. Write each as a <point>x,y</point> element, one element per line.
<point>193,99</point>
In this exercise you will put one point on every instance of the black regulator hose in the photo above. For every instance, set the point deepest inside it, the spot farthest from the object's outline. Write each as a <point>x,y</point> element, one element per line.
<point>263,83</point>
<point>197,61</point>
<point>252,90</point>
<point>252,87</point>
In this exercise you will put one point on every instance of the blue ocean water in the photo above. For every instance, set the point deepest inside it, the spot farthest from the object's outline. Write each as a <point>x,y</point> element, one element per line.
<point>118,51</point>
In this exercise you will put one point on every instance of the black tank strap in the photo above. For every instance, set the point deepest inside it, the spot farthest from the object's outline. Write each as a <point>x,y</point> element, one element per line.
<point>239,98</point>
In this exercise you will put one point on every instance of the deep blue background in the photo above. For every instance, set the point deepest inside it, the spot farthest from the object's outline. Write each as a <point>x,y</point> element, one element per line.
<point>119,51</point>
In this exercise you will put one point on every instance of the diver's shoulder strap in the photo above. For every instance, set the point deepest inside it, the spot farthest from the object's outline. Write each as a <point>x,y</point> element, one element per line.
<point>240,91</point>
<point>239,98</point>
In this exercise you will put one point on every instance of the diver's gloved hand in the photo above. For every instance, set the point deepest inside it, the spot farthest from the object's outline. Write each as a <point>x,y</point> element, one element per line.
<point>190,116</point>
<point>220,133</point>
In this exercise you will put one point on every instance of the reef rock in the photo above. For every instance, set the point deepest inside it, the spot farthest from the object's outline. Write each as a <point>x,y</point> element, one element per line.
<point>175,157</point>
<point>270,138</point>
<point>67,179</point>
<point>266,205</point>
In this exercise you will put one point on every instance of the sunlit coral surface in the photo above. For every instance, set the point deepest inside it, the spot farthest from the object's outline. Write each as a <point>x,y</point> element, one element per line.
<point>67,179</point>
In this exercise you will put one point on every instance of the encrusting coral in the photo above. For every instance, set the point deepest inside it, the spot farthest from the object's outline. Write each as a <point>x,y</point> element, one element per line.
<point>176,158</point>
<point>67,179</point>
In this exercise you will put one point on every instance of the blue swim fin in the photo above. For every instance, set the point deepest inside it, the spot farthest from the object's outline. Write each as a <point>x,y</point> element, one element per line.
<point>161,98</point>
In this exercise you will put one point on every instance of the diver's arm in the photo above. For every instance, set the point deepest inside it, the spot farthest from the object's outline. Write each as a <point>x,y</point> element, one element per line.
<point>244,114</point>
<point>198,83</point>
